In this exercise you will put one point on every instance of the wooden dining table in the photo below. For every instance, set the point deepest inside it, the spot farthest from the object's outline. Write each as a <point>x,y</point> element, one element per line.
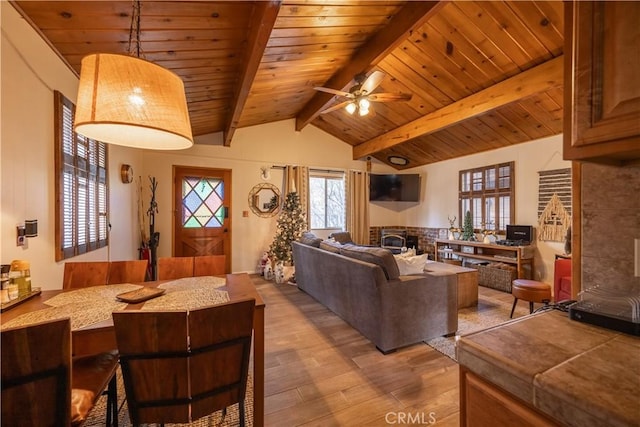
<point>100,336</point>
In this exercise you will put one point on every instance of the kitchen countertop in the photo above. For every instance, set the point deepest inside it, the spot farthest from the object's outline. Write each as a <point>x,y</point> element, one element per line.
<point>577,373</point>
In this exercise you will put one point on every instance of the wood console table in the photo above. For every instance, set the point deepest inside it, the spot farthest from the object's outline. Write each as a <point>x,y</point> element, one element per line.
<point>520,256</point>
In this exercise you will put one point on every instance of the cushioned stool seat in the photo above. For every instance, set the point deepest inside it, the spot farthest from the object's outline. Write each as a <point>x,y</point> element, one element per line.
<point>530,290</point>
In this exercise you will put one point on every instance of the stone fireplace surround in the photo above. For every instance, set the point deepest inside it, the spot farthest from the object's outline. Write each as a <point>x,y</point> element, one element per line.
<point>426,236</point>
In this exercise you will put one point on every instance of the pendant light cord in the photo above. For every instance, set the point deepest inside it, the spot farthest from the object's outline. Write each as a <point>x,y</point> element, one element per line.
<point>134,30</point>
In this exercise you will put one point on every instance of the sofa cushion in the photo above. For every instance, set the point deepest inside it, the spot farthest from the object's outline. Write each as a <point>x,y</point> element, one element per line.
<point>374,255</point>
<point>341,237</point>
<point>411,264</point>
<point>310,239</point>
<point>331,246</point>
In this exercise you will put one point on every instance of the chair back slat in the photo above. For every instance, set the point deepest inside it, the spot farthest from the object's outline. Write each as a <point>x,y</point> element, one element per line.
<point>155,378</point>
<point>170,268</point>
<point>222,358</point>
<point>209,265</point>
<point>127,271</point>
<point>181,365</point>
<point>85,273</point>
<point>36,376</point>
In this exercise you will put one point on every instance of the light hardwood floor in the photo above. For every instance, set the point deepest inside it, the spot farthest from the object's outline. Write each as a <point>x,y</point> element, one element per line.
<point>321,372</point>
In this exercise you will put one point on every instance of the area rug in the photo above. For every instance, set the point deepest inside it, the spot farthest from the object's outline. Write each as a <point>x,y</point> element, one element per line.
<point>488,313</point>
<point>97,417</point>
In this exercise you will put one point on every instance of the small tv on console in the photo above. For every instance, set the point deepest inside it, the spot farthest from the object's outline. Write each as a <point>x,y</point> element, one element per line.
<point>394,188</point>
<point>521,233</point>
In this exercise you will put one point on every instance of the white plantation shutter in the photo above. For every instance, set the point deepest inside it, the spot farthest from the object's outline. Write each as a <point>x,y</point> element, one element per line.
<point>81,185</point>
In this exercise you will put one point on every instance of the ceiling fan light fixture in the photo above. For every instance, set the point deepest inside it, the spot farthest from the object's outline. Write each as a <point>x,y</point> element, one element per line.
<point>364,104</point>
<point>132,102</point>
<point>398,160</point>
<point>351,107</point>
<point>363,111</point>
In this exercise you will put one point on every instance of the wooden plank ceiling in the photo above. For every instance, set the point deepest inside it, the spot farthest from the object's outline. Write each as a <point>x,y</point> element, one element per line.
<point>482,74</point>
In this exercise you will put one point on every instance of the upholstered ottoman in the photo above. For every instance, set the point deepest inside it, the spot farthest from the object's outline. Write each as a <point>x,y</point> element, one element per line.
<point>530,290</point>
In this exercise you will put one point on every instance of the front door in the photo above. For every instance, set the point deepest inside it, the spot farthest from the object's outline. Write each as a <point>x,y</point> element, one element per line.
<point>202,225</point>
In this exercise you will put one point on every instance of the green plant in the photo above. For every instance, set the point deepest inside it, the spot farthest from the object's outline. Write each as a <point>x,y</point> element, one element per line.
<point>467,227</point>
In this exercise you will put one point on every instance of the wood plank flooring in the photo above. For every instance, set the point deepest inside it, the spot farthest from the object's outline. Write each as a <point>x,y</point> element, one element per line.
<point>319,371</point>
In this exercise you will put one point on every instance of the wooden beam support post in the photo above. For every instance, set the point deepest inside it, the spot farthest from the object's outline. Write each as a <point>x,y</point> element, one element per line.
<point>534,80</point>
<point>263,19</point>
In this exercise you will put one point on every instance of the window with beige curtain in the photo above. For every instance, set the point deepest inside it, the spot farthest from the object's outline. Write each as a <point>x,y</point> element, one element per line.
<point>327,202</point>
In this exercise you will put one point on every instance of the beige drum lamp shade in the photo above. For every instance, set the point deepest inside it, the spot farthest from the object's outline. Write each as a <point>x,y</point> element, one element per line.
<point>129,101</point>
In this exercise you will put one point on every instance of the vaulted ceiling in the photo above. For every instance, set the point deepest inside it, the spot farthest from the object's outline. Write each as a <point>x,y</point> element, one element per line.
<point>482,74</point>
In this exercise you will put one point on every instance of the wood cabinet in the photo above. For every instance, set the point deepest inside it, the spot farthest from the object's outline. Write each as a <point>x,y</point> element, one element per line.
<point>484,404</point>
<point>520,256</point>
<point>602,84</point>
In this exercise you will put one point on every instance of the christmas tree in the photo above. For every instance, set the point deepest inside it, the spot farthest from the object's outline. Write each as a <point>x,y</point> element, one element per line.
<point>290,226</point>
<point>467,227</point>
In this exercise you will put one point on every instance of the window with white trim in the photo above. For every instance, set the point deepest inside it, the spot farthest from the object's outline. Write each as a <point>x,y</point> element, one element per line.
<point>327,203</point>
<point>82,187</point>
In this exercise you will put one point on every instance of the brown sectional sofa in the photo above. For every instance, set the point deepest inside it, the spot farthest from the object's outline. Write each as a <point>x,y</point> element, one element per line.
<point>363,286</point>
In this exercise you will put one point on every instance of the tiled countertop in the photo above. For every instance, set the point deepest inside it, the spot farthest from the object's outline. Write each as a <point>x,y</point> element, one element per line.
<point>577,373</point>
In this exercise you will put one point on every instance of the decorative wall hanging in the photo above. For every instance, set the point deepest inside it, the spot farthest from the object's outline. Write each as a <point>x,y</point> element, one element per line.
<point>554,204</point>
<point>264,200</point>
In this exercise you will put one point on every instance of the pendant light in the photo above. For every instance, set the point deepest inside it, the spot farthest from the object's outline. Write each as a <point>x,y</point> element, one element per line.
<point>126,100</point>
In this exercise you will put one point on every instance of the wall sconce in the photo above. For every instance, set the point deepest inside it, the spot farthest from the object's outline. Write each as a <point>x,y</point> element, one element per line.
<point>28,229</point>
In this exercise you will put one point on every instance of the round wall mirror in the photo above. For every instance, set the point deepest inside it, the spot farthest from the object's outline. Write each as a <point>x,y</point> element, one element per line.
<point>264,200</point>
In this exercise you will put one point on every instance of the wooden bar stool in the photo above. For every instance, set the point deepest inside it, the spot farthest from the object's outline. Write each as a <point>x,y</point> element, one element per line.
<point>530,290</point>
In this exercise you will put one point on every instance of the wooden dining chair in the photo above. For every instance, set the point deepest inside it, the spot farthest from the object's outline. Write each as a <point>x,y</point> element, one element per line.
<point>205,353</point>
<point>43,386</point>
<point>133,271</point>
<point>209,265</point>
<point>85,273</point>
<point>175,267</point>
<point>36,374</point>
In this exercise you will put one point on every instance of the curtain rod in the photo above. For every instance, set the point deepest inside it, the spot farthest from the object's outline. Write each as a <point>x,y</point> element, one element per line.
<point>336,171</point>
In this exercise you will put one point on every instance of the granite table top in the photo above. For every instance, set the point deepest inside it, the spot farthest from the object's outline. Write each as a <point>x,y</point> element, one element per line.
<point>576,373</point>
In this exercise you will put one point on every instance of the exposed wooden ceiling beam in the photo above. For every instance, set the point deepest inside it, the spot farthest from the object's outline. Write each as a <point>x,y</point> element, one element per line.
<point>541,78</point>
<point>412,16</point>
<point>264,18</point>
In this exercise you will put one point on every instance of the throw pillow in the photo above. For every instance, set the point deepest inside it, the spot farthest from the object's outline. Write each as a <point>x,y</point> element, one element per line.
<point>374,255</point>
<point>411,264</point>
<point>310,239</point>
<point>331,246</point>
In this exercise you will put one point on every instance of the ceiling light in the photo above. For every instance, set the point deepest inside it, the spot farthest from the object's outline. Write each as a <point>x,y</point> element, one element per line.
<point>398,160</point>
<point>132,102</point>
<point>363,104</point>
<point>351,107</point>
<point>126,100</point>
<point>363,111</point>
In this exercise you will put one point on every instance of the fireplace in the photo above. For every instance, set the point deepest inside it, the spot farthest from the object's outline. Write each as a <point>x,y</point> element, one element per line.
<point>394,239</point>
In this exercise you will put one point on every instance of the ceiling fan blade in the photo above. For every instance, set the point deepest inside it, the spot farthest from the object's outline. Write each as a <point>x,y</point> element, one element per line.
<point>389,97</point>
<point>334,91</point>
<point>373,81</point>
<point>336,107</point>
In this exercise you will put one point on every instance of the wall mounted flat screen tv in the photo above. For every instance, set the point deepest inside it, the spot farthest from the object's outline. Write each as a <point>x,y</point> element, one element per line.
<point>394,188</point>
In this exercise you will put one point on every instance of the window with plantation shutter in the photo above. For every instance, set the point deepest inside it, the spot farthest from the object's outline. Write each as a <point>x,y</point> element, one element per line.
<point>489,194</point>
<point>82,189</point>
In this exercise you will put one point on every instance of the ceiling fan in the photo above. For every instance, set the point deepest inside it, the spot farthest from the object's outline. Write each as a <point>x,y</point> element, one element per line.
<point>360,95</point>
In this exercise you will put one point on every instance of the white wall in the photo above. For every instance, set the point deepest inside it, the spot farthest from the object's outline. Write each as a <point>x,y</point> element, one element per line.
<point>440,192</point>
<point>30,73</point>
<point>265,145</point>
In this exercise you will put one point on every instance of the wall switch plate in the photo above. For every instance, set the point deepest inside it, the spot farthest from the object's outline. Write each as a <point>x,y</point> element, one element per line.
<point>20,239</point>
<point>636,258</point>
